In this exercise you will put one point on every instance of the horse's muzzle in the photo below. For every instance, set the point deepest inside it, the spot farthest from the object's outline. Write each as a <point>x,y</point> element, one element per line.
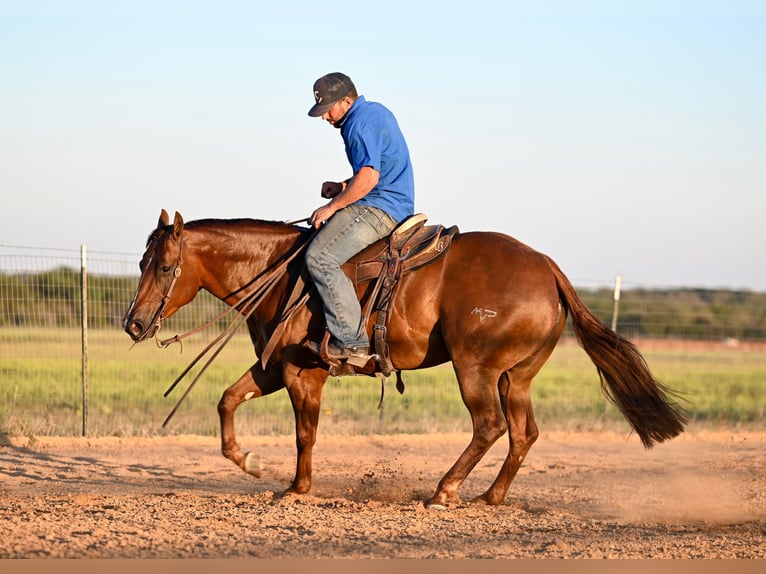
<point>139,331</point>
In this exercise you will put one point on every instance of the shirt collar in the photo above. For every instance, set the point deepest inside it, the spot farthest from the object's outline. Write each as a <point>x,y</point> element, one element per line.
<point>358,102</point>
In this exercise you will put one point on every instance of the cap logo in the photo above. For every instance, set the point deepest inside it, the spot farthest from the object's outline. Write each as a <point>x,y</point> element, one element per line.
<point>317,97</point>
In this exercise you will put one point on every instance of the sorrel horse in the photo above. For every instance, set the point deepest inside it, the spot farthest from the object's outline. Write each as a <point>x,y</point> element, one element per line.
<point>491,305</point>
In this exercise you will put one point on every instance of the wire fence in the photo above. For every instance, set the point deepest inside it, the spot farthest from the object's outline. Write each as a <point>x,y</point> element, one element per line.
<point>67,368</point>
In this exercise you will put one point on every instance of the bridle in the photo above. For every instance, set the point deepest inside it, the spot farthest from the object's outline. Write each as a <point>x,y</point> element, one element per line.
<point>159,315</point>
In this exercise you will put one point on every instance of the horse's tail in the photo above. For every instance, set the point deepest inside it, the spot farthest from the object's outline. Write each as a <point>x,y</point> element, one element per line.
<point>625,377</point>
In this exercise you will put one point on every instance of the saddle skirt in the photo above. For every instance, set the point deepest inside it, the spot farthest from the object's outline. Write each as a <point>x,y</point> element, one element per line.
<point>411,244</point>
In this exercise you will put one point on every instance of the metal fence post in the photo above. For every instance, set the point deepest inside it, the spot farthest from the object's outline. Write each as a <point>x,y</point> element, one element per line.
<point>84,323</point>
<point>616,307</point>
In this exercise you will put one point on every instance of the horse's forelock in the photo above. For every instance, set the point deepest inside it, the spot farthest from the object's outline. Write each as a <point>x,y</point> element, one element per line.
<point>152,236</point>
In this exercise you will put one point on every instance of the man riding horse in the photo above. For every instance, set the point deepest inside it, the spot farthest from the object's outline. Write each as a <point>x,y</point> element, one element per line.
<point>494,307</point>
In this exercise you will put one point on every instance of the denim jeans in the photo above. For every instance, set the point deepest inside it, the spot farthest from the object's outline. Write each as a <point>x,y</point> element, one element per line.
<point>345,234</point>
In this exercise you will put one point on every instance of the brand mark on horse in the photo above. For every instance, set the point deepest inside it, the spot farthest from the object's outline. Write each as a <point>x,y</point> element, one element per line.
<point>484,313</point>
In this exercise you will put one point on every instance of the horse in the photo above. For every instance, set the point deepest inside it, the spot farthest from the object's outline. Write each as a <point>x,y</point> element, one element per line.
<point>491,305</point>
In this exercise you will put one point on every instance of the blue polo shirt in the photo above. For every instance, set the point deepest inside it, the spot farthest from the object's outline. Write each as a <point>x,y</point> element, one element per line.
<point>373,138</point>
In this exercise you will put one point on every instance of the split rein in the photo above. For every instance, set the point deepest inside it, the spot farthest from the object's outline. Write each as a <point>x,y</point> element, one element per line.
<point>258,290</point>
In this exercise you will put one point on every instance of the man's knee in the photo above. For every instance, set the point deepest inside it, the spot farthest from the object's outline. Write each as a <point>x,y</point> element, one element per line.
<point>320,263</point>
<point>314,264</point>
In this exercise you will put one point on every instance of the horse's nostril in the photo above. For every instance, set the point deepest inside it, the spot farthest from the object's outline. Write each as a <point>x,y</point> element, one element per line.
<point>135,328</point>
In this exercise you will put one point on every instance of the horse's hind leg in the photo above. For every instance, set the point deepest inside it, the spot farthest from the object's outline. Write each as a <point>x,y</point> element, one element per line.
<point>254,383</point>
<point>514,386</point>
<point>482,400</point>
<point>522,435</point>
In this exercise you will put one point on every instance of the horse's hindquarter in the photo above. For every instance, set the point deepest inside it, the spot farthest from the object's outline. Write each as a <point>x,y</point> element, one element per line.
<point>491,295</point>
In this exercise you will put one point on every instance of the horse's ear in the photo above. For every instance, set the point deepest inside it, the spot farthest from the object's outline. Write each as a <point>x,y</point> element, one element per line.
<point>178,225</point>
<point>164,219</point>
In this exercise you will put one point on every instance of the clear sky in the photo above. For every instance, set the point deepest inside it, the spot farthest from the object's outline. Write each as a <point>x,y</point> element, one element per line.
<point>618,137</point>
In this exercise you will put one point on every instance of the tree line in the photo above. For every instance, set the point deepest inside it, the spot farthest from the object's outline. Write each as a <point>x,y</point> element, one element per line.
<point>53,299</point>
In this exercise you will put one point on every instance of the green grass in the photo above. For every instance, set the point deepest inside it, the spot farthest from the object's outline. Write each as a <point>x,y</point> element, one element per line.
<point>41,390</point>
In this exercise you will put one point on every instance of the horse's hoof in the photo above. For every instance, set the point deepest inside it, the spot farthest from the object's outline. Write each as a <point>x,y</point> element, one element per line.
<point>436,503</point>
<point>253,464</point>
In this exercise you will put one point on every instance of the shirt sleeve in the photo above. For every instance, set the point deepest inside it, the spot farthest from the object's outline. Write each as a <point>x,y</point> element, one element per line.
<point>364,147</point>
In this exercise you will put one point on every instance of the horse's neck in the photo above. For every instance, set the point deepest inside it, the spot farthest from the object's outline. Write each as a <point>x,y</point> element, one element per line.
<point>236,261</point>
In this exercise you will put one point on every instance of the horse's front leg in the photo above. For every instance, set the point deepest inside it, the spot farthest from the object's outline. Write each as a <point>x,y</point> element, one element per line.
<point>254,383</point>
<point>304,385</point>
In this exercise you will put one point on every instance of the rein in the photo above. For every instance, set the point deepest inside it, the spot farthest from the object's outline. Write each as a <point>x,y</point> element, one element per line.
<point>259,289</point>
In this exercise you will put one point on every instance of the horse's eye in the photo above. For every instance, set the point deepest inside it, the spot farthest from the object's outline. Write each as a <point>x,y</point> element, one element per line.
<point>165,269</point>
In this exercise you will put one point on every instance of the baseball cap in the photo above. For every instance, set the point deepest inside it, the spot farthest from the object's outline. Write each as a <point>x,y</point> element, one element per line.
<point>328,90</point>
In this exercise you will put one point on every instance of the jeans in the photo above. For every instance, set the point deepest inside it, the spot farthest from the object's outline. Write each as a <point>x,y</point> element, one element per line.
<point>345,234</point>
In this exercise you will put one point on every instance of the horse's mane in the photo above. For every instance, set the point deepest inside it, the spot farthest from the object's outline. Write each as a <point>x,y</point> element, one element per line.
<point>241,222</point>
<point>236,222</point>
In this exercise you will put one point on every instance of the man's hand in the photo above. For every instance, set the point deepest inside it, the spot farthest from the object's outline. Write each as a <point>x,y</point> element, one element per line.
<point>321,215</point>
<point>344,193</point>
<point>332,188</point>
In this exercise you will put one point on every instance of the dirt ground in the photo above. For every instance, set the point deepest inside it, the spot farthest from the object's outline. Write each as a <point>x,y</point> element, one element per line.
<point>600,495</point>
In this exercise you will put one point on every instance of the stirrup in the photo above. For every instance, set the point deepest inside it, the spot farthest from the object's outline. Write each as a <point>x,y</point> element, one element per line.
<point>337,355</point>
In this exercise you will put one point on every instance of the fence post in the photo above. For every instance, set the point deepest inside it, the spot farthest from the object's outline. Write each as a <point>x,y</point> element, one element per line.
<point>616,308</point>
<point>84,324</point>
